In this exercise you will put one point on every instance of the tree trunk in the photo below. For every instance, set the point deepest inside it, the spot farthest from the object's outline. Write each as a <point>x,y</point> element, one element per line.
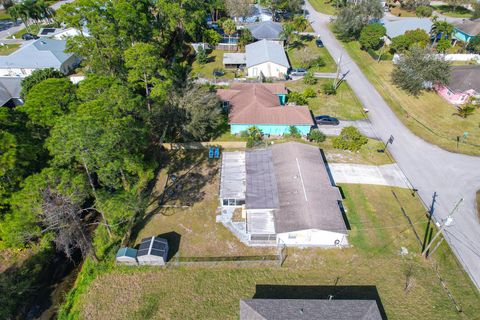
<point>147,92</point>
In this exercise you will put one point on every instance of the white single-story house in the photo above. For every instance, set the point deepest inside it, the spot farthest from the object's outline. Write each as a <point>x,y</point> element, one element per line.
<point>266,59</point>
<point>61,33</point>
<point>127,256</point>
<point>153,251</point>
<point>285,197</point>
<point>267,30</point>
<point>40,54</point>
<point>257,14</point>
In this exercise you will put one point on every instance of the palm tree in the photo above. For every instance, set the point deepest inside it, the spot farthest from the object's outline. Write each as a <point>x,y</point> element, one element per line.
<point>300,22</point>
<point>441,27</point>
<point>466,110</point>
<point>288,33</point>
<point>229,27</point>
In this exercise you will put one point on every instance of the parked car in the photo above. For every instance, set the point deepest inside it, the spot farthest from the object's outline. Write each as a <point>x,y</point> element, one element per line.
<point>29,36</point>
<point>327,120</point>
<point>319,43</point>
<point>218,73</point>
<point>298,72</point>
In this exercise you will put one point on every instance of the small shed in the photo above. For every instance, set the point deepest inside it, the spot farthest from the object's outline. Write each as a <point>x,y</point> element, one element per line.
<point>153,251</point>
<point>127,256</point>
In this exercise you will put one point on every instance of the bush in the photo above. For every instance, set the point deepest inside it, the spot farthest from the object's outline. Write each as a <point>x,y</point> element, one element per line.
<point>386,56</point>
<point>202,57</point>
<point>297,98</point>
<point>250,142</point>
<point>371,36</point>
<point>309,93</point>
<point>309,78</point>
<point>316,135</point>
<point>328,88</point>
<point>349,139</point>
<point>313,62</point>
<point>424,11</point>
<point>294,132</point>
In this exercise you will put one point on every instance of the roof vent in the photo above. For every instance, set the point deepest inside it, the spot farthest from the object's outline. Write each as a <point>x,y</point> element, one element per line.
<point>43,42</point>
<point>301,311</point>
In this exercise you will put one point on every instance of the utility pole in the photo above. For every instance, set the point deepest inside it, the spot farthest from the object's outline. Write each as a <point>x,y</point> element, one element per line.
<point>445,224</point>
<point>338,69</point>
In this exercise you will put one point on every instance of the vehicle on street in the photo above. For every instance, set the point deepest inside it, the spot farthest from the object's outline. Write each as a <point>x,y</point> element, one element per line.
<point>319,43</point>
<point>326,120</point>
<point>298,72</point>
<point>29,36</point>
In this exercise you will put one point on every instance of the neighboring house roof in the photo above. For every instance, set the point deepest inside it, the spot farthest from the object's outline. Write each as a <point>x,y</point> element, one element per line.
<point>127,252</point>
<point>256,104</point>
<point>43,53</point>
<point>265,51</point>
<point>269,30</point>
<point>464,78</point>
<point>153,246</point>
<point>286,309</point>
<point>10,88</point>
<point>470,27</point>
<point>234,58</point>
<point>307,199</point>
<point>399,27</point>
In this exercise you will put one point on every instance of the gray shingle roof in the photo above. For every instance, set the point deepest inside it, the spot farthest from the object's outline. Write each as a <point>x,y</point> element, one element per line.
<point>463,78</point>
<point>399,27</point>
<point>470,27</point>
<point>43,53</point>
<point>10,88</point>
<point>265,51</point>
<point>261,184</point>
<point>286,309</point>
<point>307,198</point>
<point>269,30</point>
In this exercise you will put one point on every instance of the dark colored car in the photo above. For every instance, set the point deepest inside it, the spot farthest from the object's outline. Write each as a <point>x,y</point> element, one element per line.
<point>29,36</point>
<point>218,73</point>
<point>326,120</point>
<point>319,43</point>
<point>298,72</point>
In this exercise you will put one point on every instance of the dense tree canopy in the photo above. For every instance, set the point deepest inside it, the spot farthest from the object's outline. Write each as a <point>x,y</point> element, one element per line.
<point>411,38</point>
<point>352,18</point>
<point>371,36</point>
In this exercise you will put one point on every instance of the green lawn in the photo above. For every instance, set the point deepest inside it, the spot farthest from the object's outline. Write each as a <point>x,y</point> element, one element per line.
<point>428,116</point>
<point>4,15</point>
<point>400,12</point>
<point>33,29</point>
<point>308,48</point>
<point>378,230</point>
<point>451,11</point>
<point>215,62</point>
<point>8,49</point>
<point>343,105</point>
<point>323,6</point>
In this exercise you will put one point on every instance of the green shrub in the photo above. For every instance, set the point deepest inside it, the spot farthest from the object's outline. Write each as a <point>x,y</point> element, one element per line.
<point>424,11</point>
<point>328,88</point>
<point>316,135</point>
<point>294,132</point>
<point>314,62</point>
<point>297,98</point>
<point>244,134</point>
<point>202,57</point>
<point>250,142</point>
<point>309,78</point>
<point>349,139</point>
<point>372,35</point>
<point>309,93</point>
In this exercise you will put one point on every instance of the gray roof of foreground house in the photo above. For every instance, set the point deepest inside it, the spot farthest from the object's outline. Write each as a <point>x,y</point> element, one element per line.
<point>287,309</point>
<point>265,51</point>
<point>262,190</point>
<point>10,88</point>
<point>463,78</point>
<point>42,53</point>
<point>399,27</point>
<point>306,196</point>
<point>470,27</point>
<point>269,30</point>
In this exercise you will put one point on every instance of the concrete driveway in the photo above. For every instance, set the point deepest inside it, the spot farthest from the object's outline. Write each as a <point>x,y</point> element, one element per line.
<point>386,175</point>
<point>364,126</point>
<point>441,177</point>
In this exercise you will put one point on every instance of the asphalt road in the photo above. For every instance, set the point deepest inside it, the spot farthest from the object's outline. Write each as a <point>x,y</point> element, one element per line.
<point>431,170</point>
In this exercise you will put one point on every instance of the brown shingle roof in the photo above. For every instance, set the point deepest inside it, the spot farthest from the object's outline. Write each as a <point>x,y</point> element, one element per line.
<point>259,104</point>
<point>470,27</point>
<point>464,78</point>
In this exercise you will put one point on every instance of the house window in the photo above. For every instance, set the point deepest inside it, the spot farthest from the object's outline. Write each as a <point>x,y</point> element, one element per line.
<point>240,202</point>
<point>225,202</point>
<point>231,202</point>
<point>292,236</point>
<point>225,105</point>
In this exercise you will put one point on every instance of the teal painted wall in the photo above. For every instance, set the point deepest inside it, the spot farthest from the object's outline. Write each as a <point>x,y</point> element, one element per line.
<point>283,98</point>
<point>462,36</point>
<point>276,130</point>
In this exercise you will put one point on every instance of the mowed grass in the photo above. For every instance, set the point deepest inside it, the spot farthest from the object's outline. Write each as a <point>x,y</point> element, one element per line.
<point>367,154</point>
<point>7,49</point>
<point>307,47</point>
<point>343,105</point>
<point>373,263</point>
<point>215,61</point>
<point>429,116</point>
<point>400,12</point>
<point>190,206</point>
<point>451,11</point>
<point>323,6</point>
